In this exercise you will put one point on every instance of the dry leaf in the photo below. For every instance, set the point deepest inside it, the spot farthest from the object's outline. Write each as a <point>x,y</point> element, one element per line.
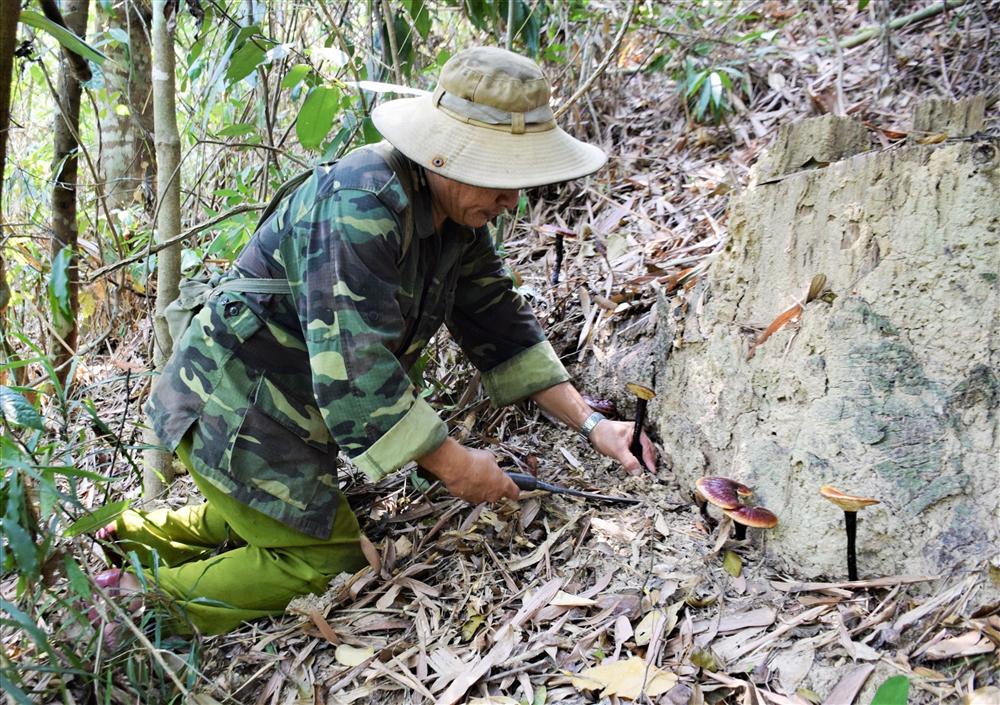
<point>704,658</point>
<point>201,699</point>
<point>732,563</point>
<point>349,656</point>
<point>404,547</point>
<point>990,695</point>
<point>371,553</point>
<point>644,629</point>
<point>625,679</point>
<point>564,599</point>
<point>493,700</point>
<point>847,689</point>
<point>968,644</point>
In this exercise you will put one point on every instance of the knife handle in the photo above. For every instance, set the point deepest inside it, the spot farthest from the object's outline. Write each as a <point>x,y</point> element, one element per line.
<point>523,480</point>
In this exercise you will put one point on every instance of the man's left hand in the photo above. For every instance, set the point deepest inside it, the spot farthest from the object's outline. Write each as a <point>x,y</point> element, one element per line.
<point>613,438</point>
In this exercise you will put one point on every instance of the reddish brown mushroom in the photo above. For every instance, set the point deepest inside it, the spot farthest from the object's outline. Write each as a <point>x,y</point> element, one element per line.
<point>752,517</point>
<point>720,491</point>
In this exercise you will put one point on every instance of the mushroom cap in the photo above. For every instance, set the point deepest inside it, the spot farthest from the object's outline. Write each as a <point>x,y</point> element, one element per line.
<point>642,392</point>
<point>849,503</point>
<point>754,517</point>
<point>721,491</point>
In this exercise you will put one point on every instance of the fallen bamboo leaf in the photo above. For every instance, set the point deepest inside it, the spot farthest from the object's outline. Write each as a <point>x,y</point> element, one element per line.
<point>348,655</point>
<point>968,644</point>
<point>470,626</point>
<point>564,599</point>
<point>776,325</point>
<point>732,563</point>
<point>627,679</point>
<point>371,554</point>
<point>498,654</point>
<point>644,629</point>
<point>875,582</point>
<point>703,658</point>
<point>324,627</point>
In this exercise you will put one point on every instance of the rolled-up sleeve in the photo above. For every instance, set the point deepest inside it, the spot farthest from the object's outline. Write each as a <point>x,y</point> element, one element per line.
<point>343,272</point>
<point>498,331</point>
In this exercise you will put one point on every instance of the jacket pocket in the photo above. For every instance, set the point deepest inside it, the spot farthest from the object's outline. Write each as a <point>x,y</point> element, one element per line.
<point>278,472</point>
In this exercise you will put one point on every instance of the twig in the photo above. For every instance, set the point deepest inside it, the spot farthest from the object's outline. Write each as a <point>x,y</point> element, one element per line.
<point>152,249</point>
<point>869,32</point>
<point>604,62</point>
<point>390,30</point>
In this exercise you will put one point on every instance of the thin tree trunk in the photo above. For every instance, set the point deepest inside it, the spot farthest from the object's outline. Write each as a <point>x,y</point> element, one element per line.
<point>127,157</point>
<point>159,469</point>
<point>66,128</point>
<point>8,40</point>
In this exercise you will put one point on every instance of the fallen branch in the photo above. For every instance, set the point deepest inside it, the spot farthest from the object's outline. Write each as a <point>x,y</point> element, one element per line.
<point>603,65</point>
<point>184,235</point>
<point>869,32</point>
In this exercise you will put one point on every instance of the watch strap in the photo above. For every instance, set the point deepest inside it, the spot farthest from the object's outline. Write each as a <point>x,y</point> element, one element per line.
<point>588,425</point>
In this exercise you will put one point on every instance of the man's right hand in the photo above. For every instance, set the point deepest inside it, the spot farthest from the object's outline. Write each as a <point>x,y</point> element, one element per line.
<point>468,473</point>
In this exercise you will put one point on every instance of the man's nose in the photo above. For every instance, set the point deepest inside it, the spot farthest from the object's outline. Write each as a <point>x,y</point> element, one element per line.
<point>507,198</point>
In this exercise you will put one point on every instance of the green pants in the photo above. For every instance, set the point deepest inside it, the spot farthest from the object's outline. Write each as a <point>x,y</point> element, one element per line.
<point>225,563</point>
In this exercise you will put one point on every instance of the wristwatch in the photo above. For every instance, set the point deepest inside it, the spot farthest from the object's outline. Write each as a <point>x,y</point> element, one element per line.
<point>588,425</point>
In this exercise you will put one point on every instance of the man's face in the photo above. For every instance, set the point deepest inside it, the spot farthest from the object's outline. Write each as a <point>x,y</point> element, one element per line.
<point>472,206</point>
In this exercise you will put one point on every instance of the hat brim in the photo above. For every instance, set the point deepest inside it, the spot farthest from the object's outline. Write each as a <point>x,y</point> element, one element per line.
<point>482,156</point>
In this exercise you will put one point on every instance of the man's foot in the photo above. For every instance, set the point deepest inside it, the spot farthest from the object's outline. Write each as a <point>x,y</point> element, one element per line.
<point>115,583</point>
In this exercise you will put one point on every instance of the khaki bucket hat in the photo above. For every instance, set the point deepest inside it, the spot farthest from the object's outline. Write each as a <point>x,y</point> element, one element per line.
<point>488,123</point>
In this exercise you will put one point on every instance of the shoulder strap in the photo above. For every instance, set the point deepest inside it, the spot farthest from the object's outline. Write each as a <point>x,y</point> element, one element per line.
<point>400,166</point>
<point>279,195</point>
<point>251,285</point>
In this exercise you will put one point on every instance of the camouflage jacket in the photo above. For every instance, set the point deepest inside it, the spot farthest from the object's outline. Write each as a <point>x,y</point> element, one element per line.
<point>271,386</point>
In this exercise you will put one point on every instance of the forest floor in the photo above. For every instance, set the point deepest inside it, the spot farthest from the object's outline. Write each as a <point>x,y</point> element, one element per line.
<point>513,602</point>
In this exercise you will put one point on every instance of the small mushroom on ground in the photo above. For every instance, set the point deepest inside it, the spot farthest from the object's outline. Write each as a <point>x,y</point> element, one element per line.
<point>720,491</point>
<point>752,517</point>
<point>850,505</point>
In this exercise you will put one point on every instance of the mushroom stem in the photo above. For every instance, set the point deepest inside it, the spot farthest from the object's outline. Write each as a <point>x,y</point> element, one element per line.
<point>635,447</point>
<point>851,524</point>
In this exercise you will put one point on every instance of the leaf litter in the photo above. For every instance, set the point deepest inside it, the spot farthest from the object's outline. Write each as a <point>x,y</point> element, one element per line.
<point>554,599</point>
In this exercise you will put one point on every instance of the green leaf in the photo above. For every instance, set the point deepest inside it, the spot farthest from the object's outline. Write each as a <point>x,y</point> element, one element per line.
<point>18,411</point>
<point>70,471</point>
<point>97,519</point>
<point>24,549</point>
<point>732,563</point>
<point>26,623</point>
<point>295,75</point>
<point>894,691</point>
<point>316,116</point>
<point>77,580</point>
<point>63,36</point>
<point>862,4</point>
<point>19,695</point>
<point>244,61</point>
<point>119,35</point>
<point>58,288</point>
<point>421,17</point>
<point>238,130</point>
